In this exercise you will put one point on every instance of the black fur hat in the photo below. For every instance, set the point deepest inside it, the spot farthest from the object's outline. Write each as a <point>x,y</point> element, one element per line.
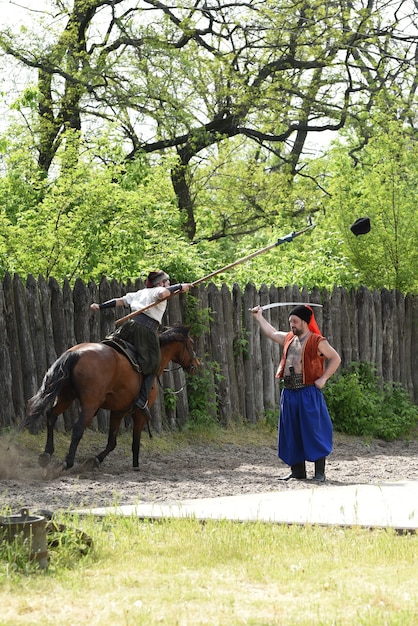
<point>361,226</point>
<point>303,312</point>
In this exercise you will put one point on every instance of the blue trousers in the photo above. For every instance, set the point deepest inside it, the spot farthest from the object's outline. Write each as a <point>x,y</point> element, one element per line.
<point>305,427</point>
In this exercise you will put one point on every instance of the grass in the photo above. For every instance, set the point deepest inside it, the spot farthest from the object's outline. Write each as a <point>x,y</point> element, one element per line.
<point>185,572</point>
<point>182,572</point>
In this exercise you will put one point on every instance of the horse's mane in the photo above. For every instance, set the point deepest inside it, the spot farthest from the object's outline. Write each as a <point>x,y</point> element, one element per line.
<point>178,332</point>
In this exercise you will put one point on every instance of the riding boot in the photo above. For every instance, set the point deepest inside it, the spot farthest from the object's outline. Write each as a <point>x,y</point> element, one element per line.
<point>142,400</point>
<point>297,471</point>
<point>320,470</point>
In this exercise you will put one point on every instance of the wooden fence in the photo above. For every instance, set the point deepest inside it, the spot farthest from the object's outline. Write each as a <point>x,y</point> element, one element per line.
<point>40,319</point>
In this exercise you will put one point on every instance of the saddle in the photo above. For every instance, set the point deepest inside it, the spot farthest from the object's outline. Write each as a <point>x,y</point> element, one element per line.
<point>125,348</point>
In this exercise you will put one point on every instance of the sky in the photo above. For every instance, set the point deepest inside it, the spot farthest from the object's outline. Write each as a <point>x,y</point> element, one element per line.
<point>13,13</point>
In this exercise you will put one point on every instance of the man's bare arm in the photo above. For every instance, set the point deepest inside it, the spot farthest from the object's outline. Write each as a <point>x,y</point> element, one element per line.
<point>266,328</point>
<point>333,362</point>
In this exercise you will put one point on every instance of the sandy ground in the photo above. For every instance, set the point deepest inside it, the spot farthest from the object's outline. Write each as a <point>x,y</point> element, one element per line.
<point>189,471</point>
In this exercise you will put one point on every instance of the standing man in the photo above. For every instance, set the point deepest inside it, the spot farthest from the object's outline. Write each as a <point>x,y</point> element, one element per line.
<point>141,330</point>
<point>308,360</point>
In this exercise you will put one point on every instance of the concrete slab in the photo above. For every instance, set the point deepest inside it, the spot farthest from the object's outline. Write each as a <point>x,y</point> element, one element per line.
<point>389,504</point>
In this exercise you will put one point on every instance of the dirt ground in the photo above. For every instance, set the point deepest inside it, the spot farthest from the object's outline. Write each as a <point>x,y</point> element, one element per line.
<point>189,470</point>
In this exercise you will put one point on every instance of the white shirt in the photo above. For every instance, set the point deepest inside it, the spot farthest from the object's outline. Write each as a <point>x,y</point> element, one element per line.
<point>140,299</point>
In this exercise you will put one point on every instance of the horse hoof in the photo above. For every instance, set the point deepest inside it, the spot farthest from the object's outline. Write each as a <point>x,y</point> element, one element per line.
<point>54,470</point>
<point>135,468</point>
<point>90,464</point>
<point>44,459</point>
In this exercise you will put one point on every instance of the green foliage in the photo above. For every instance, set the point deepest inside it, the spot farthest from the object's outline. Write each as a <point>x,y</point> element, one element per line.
<point>198,319</point>
<point>81,195</point>
<point>202,397</point>
<point>382,183</point>
<point>361,404</point>
<point>170,398</point>
<point>235,194</point>
<point>200,386</point>
<point>91,221</point>
<point>121,221</point>
<point>271,419</point>
<point>240,345</point>
<point>314,259</point>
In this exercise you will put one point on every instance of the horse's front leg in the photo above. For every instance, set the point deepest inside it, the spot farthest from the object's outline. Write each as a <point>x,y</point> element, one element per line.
<point>85,419</point>
<point>114,423</point>
<point>139,421</point>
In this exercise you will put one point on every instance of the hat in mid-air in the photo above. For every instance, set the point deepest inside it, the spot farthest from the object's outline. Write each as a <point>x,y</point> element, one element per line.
<point>361,226</point>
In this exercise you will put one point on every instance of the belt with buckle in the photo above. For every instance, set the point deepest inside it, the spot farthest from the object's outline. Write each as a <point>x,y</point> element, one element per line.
<point>295,381</point>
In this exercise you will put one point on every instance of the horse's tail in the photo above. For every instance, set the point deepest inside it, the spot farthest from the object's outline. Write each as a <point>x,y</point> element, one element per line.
<point>54,380</point>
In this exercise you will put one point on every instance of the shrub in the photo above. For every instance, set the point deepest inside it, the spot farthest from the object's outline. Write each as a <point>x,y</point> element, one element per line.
<point>202,397</point>
<point>361,404</point>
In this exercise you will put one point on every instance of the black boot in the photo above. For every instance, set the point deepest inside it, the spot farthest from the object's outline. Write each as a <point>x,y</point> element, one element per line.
<point>298,471</point>
<point>142,400</point>
<point>320,470</point>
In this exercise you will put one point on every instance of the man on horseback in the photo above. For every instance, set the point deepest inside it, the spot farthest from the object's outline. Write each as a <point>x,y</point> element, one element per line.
<point>141,330</point>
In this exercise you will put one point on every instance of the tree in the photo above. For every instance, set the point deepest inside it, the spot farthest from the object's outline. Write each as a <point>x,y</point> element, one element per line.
<point>183,79</point>
<point>381,183</point>
<point>92,220</point>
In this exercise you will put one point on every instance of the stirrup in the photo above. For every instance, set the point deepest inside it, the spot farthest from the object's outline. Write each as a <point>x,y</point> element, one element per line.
<point>144,409</point>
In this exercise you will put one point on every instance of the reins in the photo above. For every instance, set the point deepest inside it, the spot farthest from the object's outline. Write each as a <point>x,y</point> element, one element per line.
<point>192,355</point>
<point>174,393</point>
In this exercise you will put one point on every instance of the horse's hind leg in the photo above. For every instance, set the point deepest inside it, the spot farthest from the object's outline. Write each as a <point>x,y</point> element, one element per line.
<point>51,418</point>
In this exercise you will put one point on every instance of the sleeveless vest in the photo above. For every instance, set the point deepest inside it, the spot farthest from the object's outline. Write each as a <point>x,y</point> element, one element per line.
<point>313,365</point>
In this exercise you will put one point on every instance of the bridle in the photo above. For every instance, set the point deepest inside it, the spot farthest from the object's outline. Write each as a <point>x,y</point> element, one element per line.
<point>188,345</point>
<point>191,369</point>
<point>187,349</point>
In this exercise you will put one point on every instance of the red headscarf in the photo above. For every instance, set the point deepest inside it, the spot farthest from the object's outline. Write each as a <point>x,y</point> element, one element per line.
<point>305,312</point>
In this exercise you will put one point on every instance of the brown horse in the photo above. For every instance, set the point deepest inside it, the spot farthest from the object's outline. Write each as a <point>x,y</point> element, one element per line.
<point>101,377</point>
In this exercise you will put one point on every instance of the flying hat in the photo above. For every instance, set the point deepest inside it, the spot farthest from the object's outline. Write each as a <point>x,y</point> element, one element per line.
<point>361,226</point>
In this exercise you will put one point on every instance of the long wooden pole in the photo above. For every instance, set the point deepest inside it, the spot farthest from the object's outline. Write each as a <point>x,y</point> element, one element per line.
<point>281,240</point>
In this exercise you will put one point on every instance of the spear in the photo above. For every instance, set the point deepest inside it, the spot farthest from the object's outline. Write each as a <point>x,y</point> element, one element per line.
<point>285,239</point>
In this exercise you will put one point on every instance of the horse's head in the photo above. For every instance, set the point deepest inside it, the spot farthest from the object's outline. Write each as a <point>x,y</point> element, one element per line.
<point>177,339</point>
<point>193,361</point>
